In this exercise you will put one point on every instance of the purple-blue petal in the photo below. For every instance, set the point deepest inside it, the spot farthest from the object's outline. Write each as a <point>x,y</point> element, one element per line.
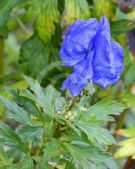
<point>88,48</point>
<point>74,84</point>
<point>108,71</point>
<point>79,38</point>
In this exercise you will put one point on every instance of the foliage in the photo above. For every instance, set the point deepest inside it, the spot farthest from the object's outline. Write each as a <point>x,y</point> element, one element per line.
<point>127,148</point>
<point>49,129</point>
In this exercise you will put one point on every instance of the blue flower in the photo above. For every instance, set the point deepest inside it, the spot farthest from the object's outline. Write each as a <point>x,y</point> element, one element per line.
<point>74,83</point>
<point>87,47</point>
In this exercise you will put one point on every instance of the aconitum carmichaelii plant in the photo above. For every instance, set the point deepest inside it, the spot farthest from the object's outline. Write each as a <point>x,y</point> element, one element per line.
<point>87,47</point>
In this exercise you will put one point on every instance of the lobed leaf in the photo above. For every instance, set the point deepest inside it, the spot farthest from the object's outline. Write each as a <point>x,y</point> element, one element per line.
<point>45,13</point>
<point>16,113</point>
<point>105,108</point>
<point>77,9</point>
<point>10,138</point>
<point>127,147</point>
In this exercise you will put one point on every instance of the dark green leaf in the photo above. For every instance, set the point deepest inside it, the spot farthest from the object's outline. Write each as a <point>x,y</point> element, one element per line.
<point>44,98</point>
<point>32,133</point>
<point>104,109</point>
<point>80,158</point>
<point>5,9</point>
<point>10,138</point>
<point>16,113</point>
<point>121,26</point>
<point>53,149</point>
<point>25,164</point>
<point>33,56</point>
<point>94,132</point>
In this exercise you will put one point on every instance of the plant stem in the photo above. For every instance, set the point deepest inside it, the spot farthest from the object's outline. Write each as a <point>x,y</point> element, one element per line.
<point>22,25</point>
<point>118,126</point>
<point>1,56</point>
<point>128,163</point>
<point>121,120</point>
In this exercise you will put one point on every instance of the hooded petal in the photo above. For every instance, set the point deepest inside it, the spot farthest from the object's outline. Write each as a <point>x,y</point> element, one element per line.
<point>108,73</point>
<point>88,48</point>
<point>85,67</point>
<point>78,40</point>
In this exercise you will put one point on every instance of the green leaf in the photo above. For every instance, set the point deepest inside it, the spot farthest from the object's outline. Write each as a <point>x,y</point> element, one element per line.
<point>69,165</point>
<point>77,9</point>
<point>26,99</point>
<point>10,138</point>
<point>102,160</point>
<point>97,156</point>
<point>41,163</point>
<point>32,133</point>
<point>53,149</point>
<point>44,98</point>
<point>45,15</point>
<point>94,132</point>
<point>102,7</point>
<point>127,147</point>
<point>128,99</point>
<point>33,56</point>
<point>5,9</point>
<point>80,158</point>
<point>121,26</point>
<point>25,164</point>
<point>104,109</point>
<point>3,156</point>
<point>16,112</point>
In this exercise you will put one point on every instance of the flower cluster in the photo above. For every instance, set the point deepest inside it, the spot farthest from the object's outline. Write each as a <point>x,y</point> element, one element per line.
<point>87,47</point>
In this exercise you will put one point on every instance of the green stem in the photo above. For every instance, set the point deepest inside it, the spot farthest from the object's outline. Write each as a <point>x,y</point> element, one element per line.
<point>1,56</point>
<point>118,126</point>
<point>121,119</point>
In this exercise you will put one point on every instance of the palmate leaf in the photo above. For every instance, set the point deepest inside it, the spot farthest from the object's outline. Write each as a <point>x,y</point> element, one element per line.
<point>5,9</point>
<point>16,113</point>
<point>45,14</point>
<point>33,56</point>
<point>80,158</point>
<point>48,99</point>
<point>85,157</point>
<point>77,9</point>
<point>95,133</point>
<point>27,100</point>
<point>104,109</point>
<point>127,146</point>
<point>10,138</point>
<point>32,133</point>
<point>102,160</point>
<point>44,98</point>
